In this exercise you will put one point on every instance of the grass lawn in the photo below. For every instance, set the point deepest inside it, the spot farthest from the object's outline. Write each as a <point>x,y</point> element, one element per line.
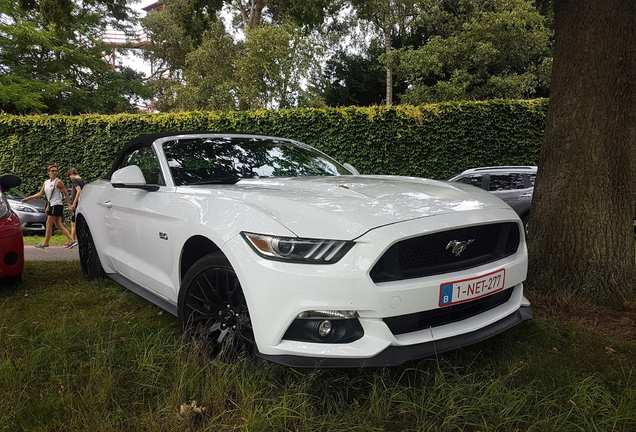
<point>78,356</point>
<point>57,238</point>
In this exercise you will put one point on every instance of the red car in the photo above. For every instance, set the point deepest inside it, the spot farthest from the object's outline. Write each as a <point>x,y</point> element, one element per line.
<point>11,246</point>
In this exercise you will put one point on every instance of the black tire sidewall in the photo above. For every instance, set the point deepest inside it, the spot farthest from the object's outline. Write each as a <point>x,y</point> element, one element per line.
<point>95,271</point>
<point>211,261</point>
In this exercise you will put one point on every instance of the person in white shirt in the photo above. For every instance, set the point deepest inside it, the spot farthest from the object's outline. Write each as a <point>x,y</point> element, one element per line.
<point>53,188</point>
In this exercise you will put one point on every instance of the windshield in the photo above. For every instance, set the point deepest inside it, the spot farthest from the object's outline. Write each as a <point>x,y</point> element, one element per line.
<point>15,194</point>
<point>208,160</point>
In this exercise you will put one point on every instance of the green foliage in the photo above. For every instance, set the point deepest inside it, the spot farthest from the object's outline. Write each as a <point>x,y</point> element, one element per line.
<point>354,79</point>
<point>51,68</point>
<point>496,49</point>
<point>61,12</point>
<point>435,141</point>
<point>212,70</point>
<point>276,61</point>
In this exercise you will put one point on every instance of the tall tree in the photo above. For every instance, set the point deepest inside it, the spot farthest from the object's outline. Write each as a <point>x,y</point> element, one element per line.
<point>62,13</point>
<point>46,67</point>
<point>391,17</point>
<point>354,79</point>
<point>581,229</point>
<point>211,70</point>
<point>276,62</point>
<point>476,49</point>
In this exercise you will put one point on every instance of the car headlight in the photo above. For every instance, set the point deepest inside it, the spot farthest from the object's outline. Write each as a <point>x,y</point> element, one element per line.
<point>23,208</point>
<point>5,210</point>
<point>293,249</point>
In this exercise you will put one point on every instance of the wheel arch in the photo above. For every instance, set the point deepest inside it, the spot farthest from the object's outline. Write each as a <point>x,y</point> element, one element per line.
<point>79,217</point>
<point>195,248</point>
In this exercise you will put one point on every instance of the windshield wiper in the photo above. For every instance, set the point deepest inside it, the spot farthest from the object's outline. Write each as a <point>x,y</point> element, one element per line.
<point>218,180</point>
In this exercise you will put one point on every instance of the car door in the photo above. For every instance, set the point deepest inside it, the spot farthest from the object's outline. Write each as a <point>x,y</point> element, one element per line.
<point>513,188</point>
<point>136,221</point>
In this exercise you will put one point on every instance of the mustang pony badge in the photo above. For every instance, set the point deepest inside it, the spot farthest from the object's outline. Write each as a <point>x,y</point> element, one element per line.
<point>458,246</point>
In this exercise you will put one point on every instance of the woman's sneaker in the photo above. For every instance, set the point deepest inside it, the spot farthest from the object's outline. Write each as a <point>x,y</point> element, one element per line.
<point>70,244</point>
<point>43,247</point>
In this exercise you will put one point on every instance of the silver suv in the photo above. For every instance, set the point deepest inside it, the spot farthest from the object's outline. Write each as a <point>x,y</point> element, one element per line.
<point>513,184</point>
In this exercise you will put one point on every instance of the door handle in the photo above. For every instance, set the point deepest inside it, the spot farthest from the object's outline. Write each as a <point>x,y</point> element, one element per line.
<point>525,196</point>
<point>108,204</point>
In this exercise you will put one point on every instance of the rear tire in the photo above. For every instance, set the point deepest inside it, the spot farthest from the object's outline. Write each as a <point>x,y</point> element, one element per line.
<point>212,309</point>
<point>89,259</point>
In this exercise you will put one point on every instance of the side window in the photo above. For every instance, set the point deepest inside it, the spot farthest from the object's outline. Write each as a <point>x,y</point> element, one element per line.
<point>531,178</point>
<point>473,180</point>
<point>146,160</point>
<point>506,182</point>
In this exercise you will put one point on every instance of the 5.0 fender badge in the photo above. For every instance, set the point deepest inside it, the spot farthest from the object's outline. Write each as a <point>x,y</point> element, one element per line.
<point>457,247</point>
<point>163,236</point>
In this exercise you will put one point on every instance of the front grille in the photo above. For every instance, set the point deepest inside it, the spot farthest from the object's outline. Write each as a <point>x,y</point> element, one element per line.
<point>445,315</point>
<point>433,254</point>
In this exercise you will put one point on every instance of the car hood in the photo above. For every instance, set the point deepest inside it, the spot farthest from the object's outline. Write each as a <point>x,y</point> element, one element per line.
<point>346,207</point>
<point>37,203</point>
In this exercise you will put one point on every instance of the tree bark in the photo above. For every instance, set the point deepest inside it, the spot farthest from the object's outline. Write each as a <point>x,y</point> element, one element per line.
<point>251,12</point>
<point>581,239</point>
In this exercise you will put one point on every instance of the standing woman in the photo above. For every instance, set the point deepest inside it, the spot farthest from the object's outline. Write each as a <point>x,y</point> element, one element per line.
<point>53,189</point>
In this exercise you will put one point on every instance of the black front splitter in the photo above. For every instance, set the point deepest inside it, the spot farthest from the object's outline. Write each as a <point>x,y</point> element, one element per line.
<point>397,355</point>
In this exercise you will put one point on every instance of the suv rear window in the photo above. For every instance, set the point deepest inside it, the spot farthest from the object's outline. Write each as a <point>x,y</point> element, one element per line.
<point>506,182</point>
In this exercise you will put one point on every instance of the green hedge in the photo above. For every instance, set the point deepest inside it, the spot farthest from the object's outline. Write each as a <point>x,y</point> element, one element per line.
<point>435,141</point>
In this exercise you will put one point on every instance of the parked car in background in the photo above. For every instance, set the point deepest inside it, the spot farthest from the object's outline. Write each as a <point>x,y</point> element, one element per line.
<point>271,243</point>
<point>11,245</point>
<point>513,184</point>
<point>32,214</point>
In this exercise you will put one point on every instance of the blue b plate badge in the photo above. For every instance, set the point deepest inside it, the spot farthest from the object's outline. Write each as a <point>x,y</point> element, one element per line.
<point>471,289</point>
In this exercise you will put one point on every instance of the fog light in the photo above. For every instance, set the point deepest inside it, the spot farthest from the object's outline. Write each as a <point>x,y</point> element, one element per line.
<point>324,328</point>
<point>11,258</point>
<point>331,314</point>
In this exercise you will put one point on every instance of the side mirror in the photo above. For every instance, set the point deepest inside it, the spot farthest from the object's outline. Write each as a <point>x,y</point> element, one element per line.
<point>130,177</point>
<point>351,168</point>
<point>8,181</point>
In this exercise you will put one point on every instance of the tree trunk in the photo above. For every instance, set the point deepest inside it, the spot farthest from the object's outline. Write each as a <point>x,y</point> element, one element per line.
<point>389,72</point>
<point>251,12</point>
<point>581,239</point>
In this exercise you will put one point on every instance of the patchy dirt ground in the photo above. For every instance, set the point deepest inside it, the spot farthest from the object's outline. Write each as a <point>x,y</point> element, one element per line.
<point>617,324</point>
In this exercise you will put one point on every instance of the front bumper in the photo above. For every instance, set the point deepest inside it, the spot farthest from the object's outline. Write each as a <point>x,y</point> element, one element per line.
<point>397,355</point>
<point>31,222</point>
<point>276,292</point>
<point>11,248</point>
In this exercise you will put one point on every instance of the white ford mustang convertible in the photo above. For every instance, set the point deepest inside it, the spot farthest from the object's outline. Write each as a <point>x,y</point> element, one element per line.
<point>270,242</point>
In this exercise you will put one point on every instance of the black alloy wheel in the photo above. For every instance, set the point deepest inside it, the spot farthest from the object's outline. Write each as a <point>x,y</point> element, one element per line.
<point>89,260</point>
<point>213,310</point>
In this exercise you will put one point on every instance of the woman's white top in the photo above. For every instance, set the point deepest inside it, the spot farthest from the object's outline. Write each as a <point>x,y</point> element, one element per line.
<point>53,194</point>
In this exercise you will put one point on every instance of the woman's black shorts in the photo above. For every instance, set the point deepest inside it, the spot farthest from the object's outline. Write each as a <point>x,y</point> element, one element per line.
<point>56,210</point>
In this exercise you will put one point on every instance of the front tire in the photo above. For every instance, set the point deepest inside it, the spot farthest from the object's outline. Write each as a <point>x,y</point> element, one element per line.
<point>89,260</point>
<point>212,308</point>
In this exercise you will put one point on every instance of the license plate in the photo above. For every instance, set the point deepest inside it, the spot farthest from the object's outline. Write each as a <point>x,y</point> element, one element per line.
<point>471,289</point>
